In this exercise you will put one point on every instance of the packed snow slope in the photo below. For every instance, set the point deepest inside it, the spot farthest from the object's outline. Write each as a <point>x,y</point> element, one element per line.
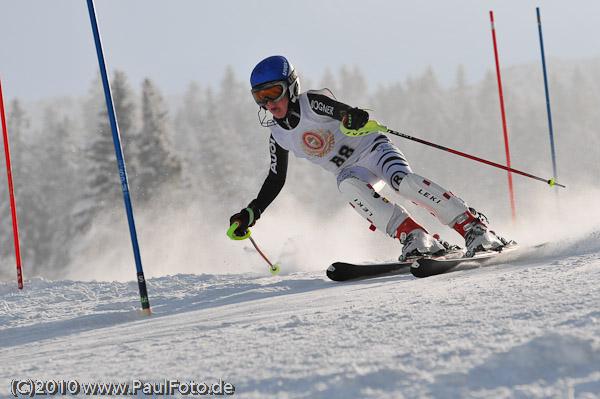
<point>528,329</point>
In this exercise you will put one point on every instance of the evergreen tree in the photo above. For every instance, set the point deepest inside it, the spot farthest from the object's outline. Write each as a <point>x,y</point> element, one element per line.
<point>236,111</point>
<point>189,123</point>
<point>189,120</point>
<point>229,138</point>
<point>17,126</point>
<point>157,163</point>
<point>217,156</point>
<point>57,177</point>
<point>126,108</point>
<point>390,105</point>
<point>488,121</point>
<point>582,128</point>
<point>428,106</point>
<point>327,81</point>
<point>354,89</point>
<point>102,181</point>
<point>462,112</point>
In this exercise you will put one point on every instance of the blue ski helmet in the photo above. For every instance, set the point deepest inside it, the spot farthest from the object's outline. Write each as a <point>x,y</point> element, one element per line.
<point>274,69</point>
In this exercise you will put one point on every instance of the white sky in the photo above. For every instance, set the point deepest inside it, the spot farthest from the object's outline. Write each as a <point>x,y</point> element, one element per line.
<point>47,48</point>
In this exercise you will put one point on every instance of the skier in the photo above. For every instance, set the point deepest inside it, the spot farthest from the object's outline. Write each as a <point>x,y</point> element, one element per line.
<point>310,125</point>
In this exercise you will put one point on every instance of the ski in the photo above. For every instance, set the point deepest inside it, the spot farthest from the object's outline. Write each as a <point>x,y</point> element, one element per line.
<point>343,271</point>
<point>432,266</point>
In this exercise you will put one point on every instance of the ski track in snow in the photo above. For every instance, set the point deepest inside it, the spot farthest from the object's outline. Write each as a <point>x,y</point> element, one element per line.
<point>530,329</point>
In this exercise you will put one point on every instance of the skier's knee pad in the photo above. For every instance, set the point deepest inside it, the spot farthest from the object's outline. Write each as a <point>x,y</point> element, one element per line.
<point>381,213</point>
<point>441,203</point>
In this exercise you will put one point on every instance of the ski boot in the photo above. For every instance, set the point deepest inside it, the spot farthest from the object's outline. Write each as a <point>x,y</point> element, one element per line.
<point>478,238</point>
<point>417,242</point>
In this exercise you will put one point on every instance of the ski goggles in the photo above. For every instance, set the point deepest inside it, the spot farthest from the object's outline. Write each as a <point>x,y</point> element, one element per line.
<point>271,91</point>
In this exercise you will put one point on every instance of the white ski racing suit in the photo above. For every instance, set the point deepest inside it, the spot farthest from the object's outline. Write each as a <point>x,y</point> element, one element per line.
<point>362,165</point>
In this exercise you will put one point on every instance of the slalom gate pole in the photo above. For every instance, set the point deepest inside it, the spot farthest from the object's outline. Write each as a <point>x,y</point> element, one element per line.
<point>510,183</point>
<point>11,191</point>
<point>120,161</point>
<point>547,93</point>
<point>372,126</point>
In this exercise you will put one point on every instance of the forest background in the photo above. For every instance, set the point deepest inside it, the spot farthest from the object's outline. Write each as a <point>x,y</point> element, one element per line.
<point>195,158</point>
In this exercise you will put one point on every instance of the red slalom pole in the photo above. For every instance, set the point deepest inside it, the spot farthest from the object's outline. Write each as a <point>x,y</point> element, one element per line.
<point>11,191</point>
<point>510,183</point>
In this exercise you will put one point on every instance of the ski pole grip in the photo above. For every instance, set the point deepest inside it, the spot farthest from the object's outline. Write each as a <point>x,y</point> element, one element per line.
<point>231,232</point>
<point>368,128</point>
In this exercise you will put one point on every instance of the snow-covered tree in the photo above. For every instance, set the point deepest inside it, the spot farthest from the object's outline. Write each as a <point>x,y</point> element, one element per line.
<point>126,108</point>
<point>57,176</point>
<point>156,161</point>
<point>102,181</point>
<point>17,125</point>
<point>327,81</point>
<point>188,125</point>
<point>354,88</point>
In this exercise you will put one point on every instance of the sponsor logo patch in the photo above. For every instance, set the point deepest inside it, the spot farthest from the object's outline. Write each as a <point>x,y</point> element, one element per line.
<point>317,143</point>
<point>319,106</point>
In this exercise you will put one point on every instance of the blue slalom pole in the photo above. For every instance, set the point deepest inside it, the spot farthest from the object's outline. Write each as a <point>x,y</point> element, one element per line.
<point>121,162</point>
<point>547,94</point>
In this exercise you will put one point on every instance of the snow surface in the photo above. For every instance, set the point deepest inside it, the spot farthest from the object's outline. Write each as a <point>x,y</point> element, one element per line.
<point>530,329</point>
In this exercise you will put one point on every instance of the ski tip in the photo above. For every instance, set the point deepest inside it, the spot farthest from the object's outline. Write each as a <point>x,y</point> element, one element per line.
<point>334,274</point>
<point>338,271</point>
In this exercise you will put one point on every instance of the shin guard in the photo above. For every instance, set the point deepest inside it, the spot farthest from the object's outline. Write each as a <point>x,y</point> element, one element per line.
<point>381,213</point>
<point>441,203</point>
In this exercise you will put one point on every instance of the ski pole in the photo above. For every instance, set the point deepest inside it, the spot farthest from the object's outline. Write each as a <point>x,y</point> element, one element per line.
<point>274,267</point>
<point>230,234</point>
<point>373,126</point>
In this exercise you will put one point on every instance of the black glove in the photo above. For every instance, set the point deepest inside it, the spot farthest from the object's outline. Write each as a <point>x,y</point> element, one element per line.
<point>355,118</point>
<point>247,217</point>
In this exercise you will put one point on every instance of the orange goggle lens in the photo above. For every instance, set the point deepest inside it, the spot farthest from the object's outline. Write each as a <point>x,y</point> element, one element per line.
<point>273,93</point>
